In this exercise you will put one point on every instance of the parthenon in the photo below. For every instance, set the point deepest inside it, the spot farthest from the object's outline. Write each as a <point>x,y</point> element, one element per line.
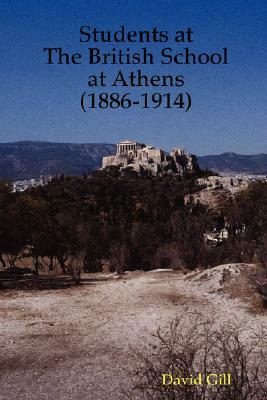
<point>124,147</point>
<point>146,159</point>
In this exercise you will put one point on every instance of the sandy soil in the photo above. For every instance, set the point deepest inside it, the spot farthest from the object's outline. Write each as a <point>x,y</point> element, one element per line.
<point>75,343</point>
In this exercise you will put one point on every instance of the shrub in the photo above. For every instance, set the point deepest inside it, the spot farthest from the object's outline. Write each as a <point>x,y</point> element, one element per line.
<point>186,349</point>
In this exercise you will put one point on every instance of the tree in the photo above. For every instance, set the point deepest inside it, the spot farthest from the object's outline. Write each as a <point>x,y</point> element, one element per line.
<point>187,231</point>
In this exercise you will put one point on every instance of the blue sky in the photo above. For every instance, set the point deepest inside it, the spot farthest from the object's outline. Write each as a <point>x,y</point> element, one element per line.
<point>41,102</point>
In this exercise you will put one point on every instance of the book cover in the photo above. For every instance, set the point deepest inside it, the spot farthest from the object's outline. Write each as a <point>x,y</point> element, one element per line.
<point>133,195</point>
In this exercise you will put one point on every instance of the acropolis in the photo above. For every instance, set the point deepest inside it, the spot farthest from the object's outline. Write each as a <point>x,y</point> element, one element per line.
<point>146,159</point>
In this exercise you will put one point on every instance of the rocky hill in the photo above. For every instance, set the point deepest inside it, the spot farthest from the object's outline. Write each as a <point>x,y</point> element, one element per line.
<point>146,159</point>
<point>24,160</point>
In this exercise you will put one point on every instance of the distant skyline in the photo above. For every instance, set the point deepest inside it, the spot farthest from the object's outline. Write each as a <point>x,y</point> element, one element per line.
<point>41,102</point>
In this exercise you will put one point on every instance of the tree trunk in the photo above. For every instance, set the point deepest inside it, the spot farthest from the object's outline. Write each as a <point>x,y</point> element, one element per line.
<point>2,261</point>
<point>36,265</point>
<point>61,261</point>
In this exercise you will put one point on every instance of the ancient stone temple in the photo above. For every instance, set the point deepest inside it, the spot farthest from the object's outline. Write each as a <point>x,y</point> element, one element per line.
<point>146,159</point>
<point>125,147</point>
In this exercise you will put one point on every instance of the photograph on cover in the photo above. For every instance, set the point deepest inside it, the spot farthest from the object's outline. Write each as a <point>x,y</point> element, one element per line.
<point>133,200</point>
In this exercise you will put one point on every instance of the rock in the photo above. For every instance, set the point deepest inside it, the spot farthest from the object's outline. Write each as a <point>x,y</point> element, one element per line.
<point>145,159</point>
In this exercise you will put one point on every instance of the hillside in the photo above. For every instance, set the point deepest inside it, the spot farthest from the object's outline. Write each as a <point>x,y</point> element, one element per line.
<point>24,160</point>
<point>232,162</point>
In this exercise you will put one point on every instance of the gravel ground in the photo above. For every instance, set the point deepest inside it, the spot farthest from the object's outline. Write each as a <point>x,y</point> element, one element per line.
<point>75,343</point>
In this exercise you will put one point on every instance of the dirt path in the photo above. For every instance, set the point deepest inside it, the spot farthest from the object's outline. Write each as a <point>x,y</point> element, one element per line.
<point>75,343</point>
